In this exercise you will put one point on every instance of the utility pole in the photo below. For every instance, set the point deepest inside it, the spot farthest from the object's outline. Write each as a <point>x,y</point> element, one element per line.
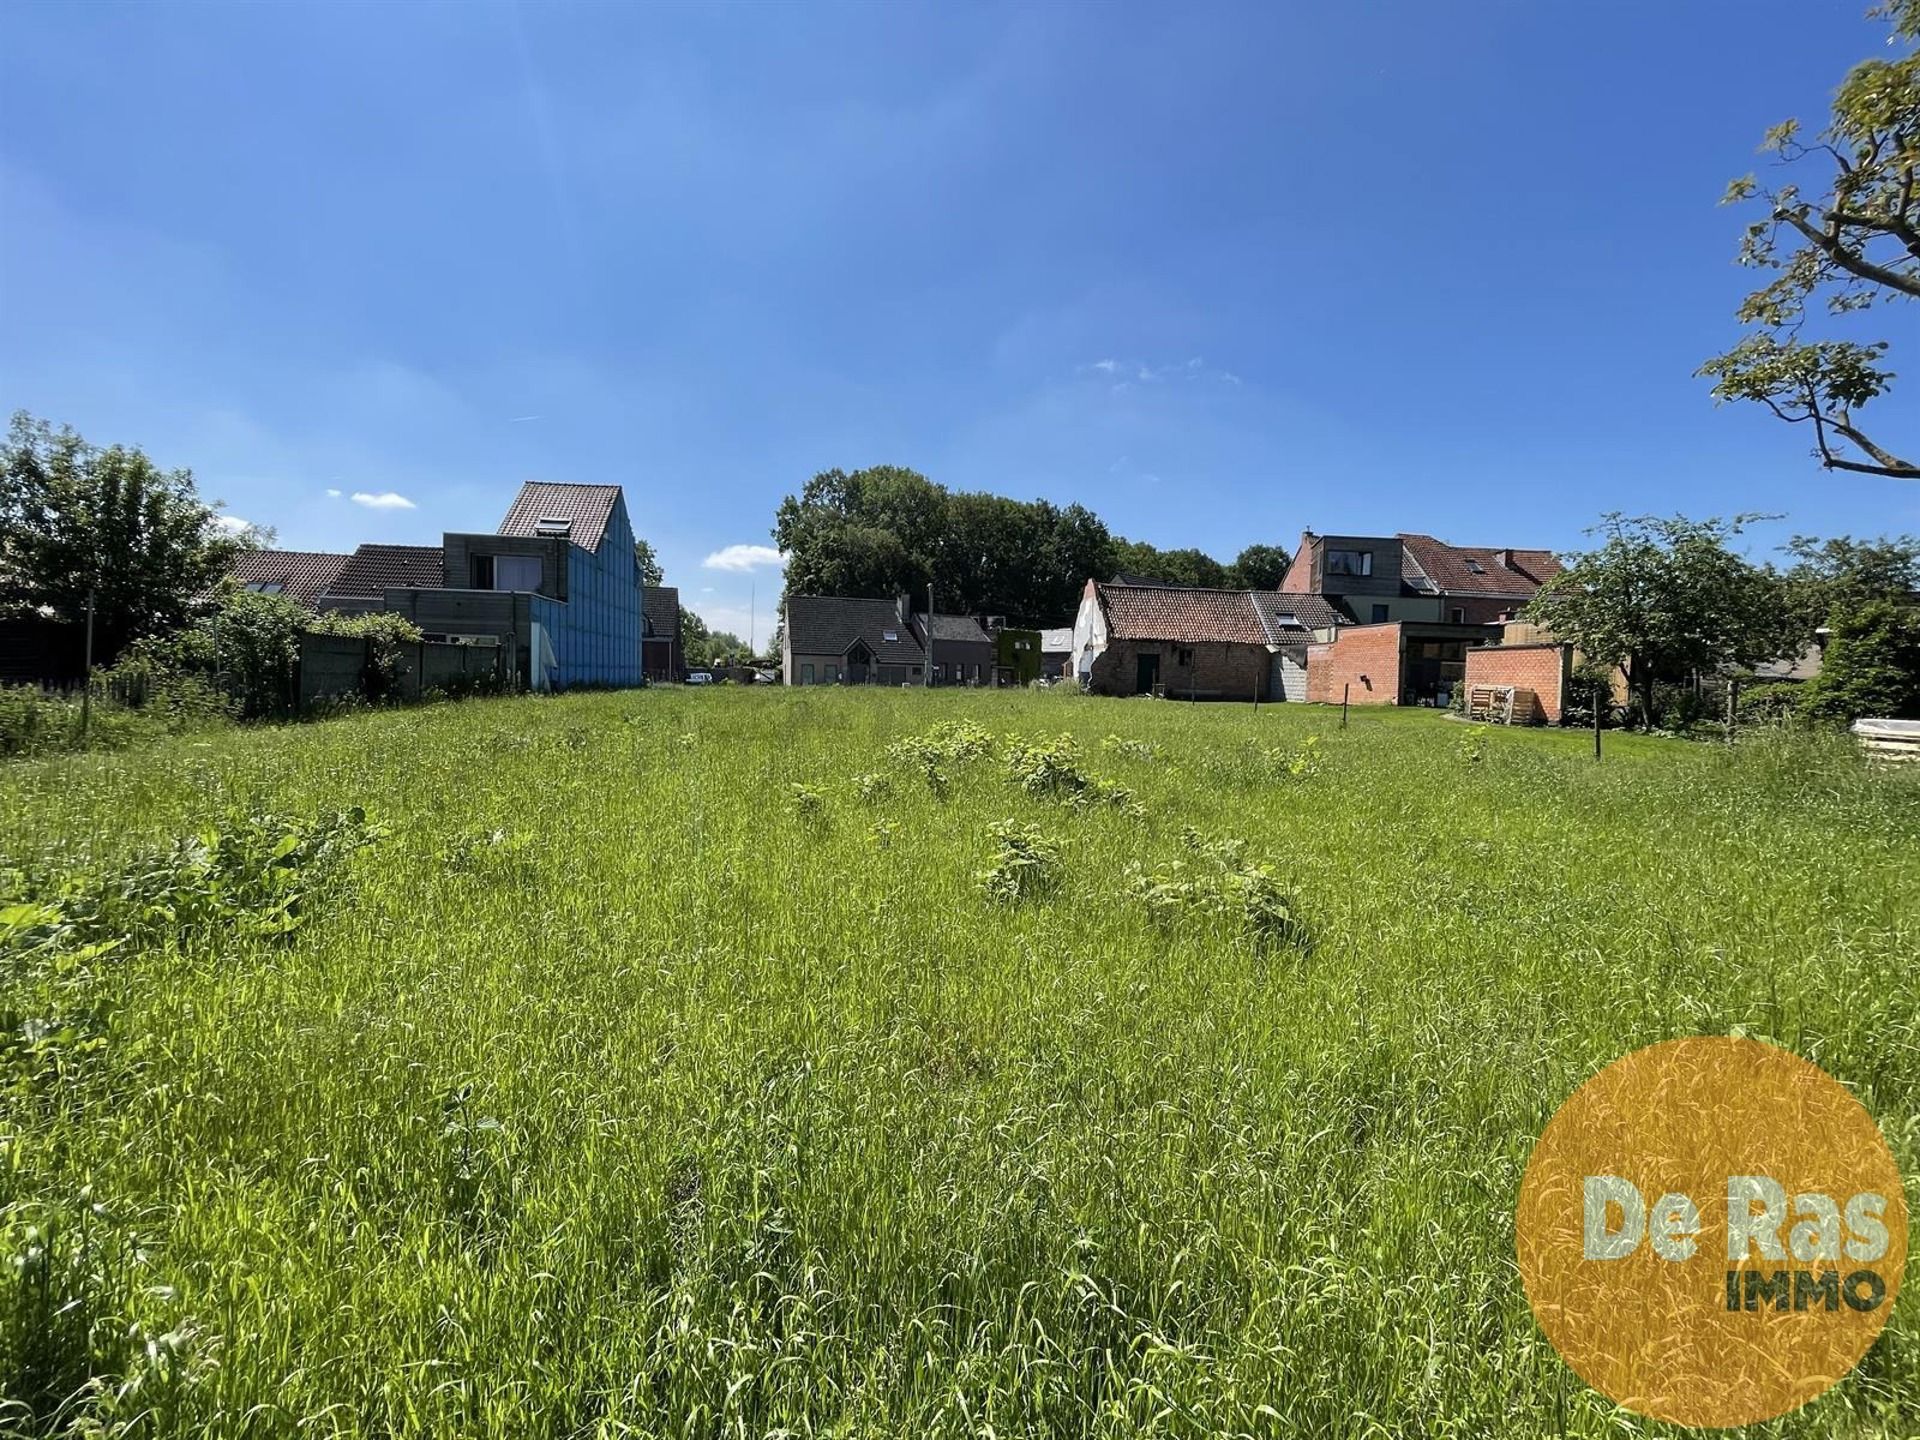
<point>929,634</point>
<point>753,600</point>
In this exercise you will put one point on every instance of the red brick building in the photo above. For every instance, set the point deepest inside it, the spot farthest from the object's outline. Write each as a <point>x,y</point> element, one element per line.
<point>1402,662</point>
<point>1188,643</point>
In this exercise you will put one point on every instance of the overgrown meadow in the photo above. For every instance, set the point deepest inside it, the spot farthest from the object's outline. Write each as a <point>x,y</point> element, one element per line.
<point>816,1062</point>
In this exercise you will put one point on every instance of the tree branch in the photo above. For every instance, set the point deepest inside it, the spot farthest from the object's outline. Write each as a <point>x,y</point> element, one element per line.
<point>1887,462</point>
<point>1830,246</point>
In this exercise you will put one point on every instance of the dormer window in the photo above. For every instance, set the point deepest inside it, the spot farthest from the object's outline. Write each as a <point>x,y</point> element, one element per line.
<point>1349,562</point>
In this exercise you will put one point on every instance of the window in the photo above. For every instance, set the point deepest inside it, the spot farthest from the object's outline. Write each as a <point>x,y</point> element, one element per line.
<point>1182,655</point>
<point>516,572</point>
<point>1475,567</point>
<point>1459,615</point>
<point>483,572</point>
<point>833,674</point>
<point>266,587</point>
<point>890,636</point>
<point>806,674</point>
<point>1349,562</point>
<point>1379,614</point>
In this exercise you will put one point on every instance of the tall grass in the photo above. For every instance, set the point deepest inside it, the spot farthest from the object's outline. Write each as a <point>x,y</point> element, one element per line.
<point>675,1063</point>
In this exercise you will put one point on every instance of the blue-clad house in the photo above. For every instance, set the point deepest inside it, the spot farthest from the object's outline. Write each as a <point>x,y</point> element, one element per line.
<point>557,586</point>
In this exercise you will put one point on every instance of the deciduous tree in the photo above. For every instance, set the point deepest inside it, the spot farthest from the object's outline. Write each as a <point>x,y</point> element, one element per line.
<point>77,520</point>
<point>651,575</point>
<point>1664,599</point>
<point>1854,247</point>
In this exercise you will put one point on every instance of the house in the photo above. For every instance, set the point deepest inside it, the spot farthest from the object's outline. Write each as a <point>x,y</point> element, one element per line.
<point>1056,652</point>
<point>1377,579</point>
<point>303,575</point>
<point>847,640</point>
<point>1016,655</point>
<point>556,586</point>
<point>662,657</point>
<point>1187,642</point>
<point>850,640</point>
<point>959,649</point>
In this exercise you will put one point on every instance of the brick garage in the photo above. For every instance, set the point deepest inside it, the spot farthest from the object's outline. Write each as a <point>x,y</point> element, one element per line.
<point>1363,660</point>
<point>1543,669</point>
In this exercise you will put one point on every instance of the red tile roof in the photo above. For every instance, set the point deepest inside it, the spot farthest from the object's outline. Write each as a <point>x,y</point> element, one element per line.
<point>303,575</point>
<point>1452,568</point>
<point>375,569</point>
<point>589,507</point>
<point>1188,616</point>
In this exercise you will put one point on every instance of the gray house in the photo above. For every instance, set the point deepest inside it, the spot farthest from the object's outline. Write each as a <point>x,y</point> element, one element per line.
<point>850,640</point>
<point>962,652</point>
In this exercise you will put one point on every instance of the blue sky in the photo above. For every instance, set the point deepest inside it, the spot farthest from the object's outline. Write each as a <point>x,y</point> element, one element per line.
<point>1219,272</point>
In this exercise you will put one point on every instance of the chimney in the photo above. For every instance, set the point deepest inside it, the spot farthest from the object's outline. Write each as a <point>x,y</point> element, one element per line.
<point>1505,558</point>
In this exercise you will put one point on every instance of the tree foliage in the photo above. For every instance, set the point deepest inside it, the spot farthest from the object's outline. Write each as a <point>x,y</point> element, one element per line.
<point>889,530</point>
<point>652,576</point>
<point>1830,576</point>
<point>701,646</point>
<point>77,519</point>
<point>1854,247</point>
<point>1871,665</point>
<point>1663,599</point>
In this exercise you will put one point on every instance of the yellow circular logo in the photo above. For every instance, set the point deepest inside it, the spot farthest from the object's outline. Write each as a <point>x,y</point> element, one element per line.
<point>1712,1231</point>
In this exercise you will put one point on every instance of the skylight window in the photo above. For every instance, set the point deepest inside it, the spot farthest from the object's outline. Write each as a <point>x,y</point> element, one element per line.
<point>1476,567</point>
<point>553,525</point>
<point>890,635</point>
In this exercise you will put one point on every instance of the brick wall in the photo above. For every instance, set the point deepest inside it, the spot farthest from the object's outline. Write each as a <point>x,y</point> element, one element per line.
<point>1365,658</point>
<point>1212,671</point>
<point>1539,668</point>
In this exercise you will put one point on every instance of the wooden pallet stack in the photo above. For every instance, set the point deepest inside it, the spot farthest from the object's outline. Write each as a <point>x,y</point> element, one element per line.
<point>1893,741</point>
<point>1500,704</point>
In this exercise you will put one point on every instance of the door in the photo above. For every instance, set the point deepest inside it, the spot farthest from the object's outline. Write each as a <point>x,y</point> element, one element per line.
<point>1147,674</point>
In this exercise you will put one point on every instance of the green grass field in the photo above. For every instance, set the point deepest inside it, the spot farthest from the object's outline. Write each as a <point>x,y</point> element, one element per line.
<point>683,1063</point>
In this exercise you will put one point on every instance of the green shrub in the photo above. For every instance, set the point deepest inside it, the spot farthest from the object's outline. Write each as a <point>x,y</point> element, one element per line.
<point>1025,863</point>
<point>33,723</point>
<point>1772,703</point>
<point>1871,665</point>
<point>1219,885</point>
<point>386,632</point>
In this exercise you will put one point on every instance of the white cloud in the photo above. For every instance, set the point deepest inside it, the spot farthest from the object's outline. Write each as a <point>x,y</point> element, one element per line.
<point>745,557</point>
<point>1150,374</point>
<point>231,524</point>
<point>333,494</point>
<point>384,500</point>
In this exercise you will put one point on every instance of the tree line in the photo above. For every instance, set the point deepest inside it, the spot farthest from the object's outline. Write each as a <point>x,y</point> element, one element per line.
<point>888,530</point>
